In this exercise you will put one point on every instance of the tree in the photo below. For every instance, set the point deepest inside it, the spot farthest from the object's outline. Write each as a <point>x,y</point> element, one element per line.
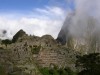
<point>57,71</point>
<point>90,64</point>
<point>6,41</point>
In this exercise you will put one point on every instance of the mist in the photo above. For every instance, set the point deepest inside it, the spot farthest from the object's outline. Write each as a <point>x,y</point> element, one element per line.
<point>86,14</point>
<point>83,25</point>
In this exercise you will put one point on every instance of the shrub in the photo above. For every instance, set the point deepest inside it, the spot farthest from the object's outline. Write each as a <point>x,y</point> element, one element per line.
<point>57,71</point>
<point>90,64</point>
<point>35,49</point>
<point>2,71</point>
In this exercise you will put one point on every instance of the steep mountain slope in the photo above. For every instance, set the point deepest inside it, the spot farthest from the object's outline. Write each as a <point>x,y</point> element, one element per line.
<point>19,34</point>
<point>81,34</point>
<point>64,34</point>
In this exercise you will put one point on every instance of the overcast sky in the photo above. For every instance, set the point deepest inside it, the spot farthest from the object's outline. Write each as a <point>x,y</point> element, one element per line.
<point>38,17</point>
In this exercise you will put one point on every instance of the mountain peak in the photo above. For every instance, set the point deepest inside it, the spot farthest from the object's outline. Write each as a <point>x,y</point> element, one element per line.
<point>19,34</point>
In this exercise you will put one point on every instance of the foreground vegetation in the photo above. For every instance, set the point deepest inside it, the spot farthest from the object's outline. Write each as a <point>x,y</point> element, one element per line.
<point>56,71</point>
<point>87,65</point>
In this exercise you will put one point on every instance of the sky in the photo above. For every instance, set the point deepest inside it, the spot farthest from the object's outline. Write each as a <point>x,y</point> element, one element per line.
<point>35,17</point>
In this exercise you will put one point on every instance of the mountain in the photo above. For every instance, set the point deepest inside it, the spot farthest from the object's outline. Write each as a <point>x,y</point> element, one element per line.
<point>29,53</point>
<point>19,34</point>
<point>79,34</point>
<point>64,34</point>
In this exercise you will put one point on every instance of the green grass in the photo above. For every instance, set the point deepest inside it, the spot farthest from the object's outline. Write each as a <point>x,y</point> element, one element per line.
<point>56,71</point>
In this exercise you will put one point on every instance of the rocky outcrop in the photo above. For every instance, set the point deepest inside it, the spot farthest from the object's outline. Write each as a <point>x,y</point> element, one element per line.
<point>64,34</point>
<point>18,35</point>
<point>81,36</point>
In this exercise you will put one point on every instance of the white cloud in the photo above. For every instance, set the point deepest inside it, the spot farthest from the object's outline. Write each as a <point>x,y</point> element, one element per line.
<point>40,22</point>
<point>52,10</point>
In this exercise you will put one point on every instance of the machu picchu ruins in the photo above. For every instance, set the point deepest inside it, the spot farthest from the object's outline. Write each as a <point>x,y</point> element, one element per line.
<point>25,51</point>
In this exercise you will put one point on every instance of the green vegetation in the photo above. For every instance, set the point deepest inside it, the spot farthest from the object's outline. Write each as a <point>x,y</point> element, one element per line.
<point>6,42</point>
<point>35,49</point>
<point>2,71</point>
<point>57,71</point>
<point>89,64</point>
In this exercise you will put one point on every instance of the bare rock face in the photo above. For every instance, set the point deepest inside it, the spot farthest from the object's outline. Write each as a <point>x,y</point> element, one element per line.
<point>80,34</point>
<point>19,34</point>
<point>64,34</point>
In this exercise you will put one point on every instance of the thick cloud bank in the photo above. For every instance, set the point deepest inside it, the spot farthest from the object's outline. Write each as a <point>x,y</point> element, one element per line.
<point>87,16</point>
<point>83,24</point>
<point>38,22</point>
<point>84,19</point>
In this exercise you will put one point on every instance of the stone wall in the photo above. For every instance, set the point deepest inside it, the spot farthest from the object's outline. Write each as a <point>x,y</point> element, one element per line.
<point>58,57</point>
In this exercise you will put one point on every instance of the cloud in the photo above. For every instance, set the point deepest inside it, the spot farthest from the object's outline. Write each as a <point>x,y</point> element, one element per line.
<point>83,23</point>
<point>39,22</point>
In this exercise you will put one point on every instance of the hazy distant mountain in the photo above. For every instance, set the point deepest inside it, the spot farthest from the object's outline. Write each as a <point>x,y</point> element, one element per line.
<point>64,32</point>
